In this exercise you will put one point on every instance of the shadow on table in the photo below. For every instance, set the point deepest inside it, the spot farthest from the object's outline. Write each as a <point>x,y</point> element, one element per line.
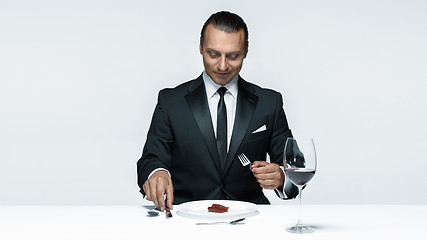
<point>149,208</point>
<point>321,227</point>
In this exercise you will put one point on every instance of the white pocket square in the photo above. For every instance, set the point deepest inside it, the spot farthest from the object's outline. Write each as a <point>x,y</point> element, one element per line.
<point>263,128</point>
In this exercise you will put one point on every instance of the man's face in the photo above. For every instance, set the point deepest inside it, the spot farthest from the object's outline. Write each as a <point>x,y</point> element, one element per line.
<point>223,54</point>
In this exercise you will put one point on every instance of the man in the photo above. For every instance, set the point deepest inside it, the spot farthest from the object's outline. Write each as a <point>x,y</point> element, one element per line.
<point>197,131</point>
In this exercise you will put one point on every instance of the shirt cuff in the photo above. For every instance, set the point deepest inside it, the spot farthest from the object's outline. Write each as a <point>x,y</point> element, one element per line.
<point>280,192</point>
<point>158,169</point>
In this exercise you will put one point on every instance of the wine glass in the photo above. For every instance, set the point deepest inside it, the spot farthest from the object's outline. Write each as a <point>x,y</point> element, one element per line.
<point>300,164</point>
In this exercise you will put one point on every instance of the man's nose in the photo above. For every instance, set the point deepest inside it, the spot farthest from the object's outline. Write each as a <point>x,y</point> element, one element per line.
<point>222,64</point>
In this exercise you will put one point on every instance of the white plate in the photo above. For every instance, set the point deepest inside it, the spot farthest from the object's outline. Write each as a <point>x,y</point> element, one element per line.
<point>199,210</point>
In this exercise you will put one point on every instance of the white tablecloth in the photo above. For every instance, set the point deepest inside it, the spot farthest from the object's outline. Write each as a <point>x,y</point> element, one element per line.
<point>341,222</point>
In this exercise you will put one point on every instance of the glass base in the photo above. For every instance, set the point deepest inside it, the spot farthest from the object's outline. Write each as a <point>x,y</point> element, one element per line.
<point>301,229</point>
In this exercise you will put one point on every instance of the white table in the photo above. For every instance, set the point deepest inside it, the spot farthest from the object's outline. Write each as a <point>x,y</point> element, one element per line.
<point>342,222</point>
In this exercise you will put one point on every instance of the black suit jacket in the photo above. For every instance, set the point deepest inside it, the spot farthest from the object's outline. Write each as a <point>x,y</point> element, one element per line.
<point>181,139</point>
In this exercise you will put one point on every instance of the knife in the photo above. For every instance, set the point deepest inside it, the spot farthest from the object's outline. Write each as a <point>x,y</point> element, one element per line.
<point>168,213</point>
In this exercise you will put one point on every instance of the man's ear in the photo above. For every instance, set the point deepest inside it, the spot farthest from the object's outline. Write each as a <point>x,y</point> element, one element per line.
<point>200,48</point>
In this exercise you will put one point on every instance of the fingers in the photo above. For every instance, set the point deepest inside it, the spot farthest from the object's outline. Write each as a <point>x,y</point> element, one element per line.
<point>156,187</point>
<point>159,198</point>
<point>268,175</point>
<point>257,164</point>
<point>169,196</point>
<point>264,167</point>
<point>268,181</point>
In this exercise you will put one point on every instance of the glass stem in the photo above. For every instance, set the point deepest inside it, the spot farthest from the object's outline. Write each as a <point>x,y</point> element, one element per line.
<point>299,204</point>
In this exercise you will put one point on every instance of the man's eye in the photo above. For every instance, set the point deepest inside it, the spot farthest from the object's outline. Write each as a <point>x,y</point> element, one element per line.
<point>214,54</point>
<point>233,56</point>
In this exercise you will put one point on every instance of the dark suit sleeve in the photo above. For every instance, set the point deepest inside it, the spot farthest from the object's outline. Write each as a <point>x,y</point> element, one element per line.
<point>157,148</point>
<point>280,133</point>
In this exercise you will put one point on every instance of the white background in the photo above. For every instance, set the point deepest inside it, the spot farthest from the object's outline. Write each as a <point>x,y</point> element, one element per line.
<point>79,81</point>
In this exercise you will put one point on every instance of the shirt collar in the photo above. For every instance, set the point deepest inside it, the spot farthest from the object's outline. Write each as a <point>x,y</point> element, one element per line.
<point>212,87</point>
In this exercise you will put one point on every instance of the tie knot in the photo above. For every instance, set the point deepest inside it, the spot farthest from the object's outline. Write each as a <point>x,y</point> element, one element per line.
<point>221,91</point>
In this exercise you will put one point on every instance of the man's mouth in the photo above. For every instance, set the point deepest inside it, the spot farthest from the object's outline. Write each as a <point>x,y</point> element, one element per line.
<point>223,73</point>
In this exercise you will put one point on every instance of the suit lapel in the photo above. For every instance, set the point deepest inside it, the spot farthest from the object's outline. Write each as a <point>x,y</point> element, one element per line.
<point>246,103</point>
<point>197,100</point>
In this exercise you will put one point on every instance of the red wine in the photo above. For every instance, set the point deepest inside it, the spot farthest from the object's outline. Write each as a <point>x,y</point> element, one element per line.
<point>300,176</point>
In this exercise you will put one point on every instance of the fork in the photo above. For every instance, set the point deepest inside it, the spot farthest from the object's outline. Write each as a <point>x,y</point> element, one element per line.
<point>244,160</point>
<point>237,221</point>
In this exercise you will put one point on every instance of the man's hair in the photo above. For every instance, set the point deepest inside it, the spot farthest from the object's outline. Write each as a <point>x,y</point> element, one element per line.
<point>227,22</point>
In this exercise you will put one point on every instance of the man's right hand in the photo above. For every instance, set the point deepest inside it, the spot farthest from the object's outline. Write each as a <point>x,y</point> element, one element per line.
<point>156,187</point>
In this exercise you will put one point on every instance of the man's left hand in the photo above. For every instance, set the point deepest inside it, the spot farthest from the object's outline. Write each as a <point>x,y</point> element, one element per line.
<point>268,175</point>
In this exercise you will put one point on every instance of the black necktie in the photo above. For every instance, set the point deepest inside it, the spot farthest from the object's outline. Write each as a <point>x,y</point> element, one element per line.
<point>221,127</point>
